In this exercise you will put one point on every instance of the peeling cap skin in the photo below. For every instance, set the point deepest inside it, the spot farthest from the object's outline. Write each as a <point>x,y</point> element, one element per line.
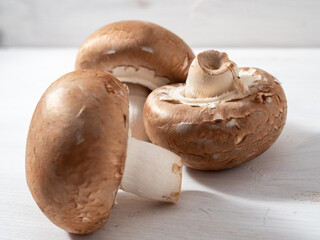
<point>218,132</point>
<point>76,149</point>
<point>140,53</point>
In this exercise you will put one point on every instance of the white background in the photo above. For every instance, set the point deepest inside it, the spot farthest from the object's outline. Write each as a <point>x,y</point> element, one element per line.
<point>201,23</point>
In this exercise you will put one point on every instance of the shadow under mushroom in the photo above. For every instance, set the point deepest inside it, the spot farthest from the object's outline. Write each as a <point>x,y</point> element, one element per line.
<point>202,215</point>
<point>289,170</point>
<point>134,217</point>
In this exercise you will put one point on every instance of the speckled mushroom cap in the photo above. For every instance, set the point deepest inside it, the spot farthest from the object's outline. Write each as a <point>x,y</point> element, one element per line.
<point>137,52</point>
<point>222,136</point>
<point>76,149</point>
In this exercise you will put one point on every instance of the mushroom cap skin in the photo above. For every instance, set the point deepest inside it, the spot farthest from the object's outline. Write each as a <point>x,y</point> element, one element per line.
<point>213,138</point>
<point>76,149</point>
<point>135,45</point>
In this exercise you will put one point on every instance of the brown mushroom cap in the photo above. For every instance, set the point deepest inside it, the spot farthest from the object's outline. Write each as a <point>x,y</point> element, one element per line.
<point>137,44</point>
<point>233,132</point>
<point>76,149</point>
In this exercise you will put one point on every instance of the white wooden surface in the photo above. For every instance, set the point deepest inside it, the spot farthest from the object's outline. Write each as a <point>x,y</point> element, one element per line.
<point>276,196</point>
<point>226,23</point>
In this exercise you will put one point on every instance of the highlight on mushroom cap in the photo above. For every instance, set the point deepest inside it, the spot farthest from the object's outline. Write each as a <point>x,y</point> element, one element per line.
<point>76,149</point>
<point>78,153</point>
<point>137,52</point>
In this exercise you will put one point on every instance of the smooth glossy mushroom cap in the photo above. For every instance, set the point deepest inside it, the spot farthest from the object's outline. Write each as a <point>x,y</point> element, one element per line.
<point>222,136</point>
<point>76,149</point>
<point>138,52</point>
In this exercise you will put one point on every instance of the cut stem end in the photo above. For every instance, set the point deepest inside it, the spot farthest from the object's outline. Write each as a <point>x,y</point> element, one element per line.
<point>152,172</point>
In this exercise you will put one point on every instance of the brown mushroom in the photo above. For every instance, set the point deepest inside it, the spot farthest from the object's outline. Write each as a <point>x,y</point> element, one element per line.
<point>142,54</point>
<point>78,153</point>
<point>223,116</point>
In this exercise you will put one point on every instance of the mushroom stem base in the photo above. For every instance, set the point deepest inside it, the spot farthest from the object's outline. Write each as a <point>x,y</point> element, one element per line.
<point>152,172</point>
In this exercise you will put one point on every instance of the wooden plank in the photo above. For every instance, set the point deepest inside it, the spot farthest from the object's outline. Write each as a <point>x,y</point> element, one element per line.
<point>276,196</point>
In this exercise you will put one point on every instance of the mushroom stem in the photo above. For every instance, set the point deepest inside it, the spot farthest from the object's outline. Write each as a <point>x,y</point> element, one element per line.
<point>137,97</point>
<point>211,74</point>
<point>154,173</point>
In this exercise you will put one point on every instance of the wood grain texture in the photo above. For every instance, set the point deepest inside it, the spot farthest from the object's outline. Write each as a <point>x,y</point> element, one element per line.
<point>276,196</point>
<point>232,23</point>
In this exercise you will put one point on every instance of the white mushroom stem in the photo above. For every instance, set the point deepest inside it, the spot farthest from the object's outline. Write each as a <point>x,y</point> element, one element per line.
<point>152,172</point>
<point>211,74</point>
<point>137,97</point>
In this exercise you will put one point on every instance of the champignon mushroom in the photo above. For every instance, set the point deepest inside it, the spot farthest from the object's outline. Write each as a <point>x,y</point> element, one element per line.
<point>142,54</point>
<point>78,153</point>
<point>223,116</point>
